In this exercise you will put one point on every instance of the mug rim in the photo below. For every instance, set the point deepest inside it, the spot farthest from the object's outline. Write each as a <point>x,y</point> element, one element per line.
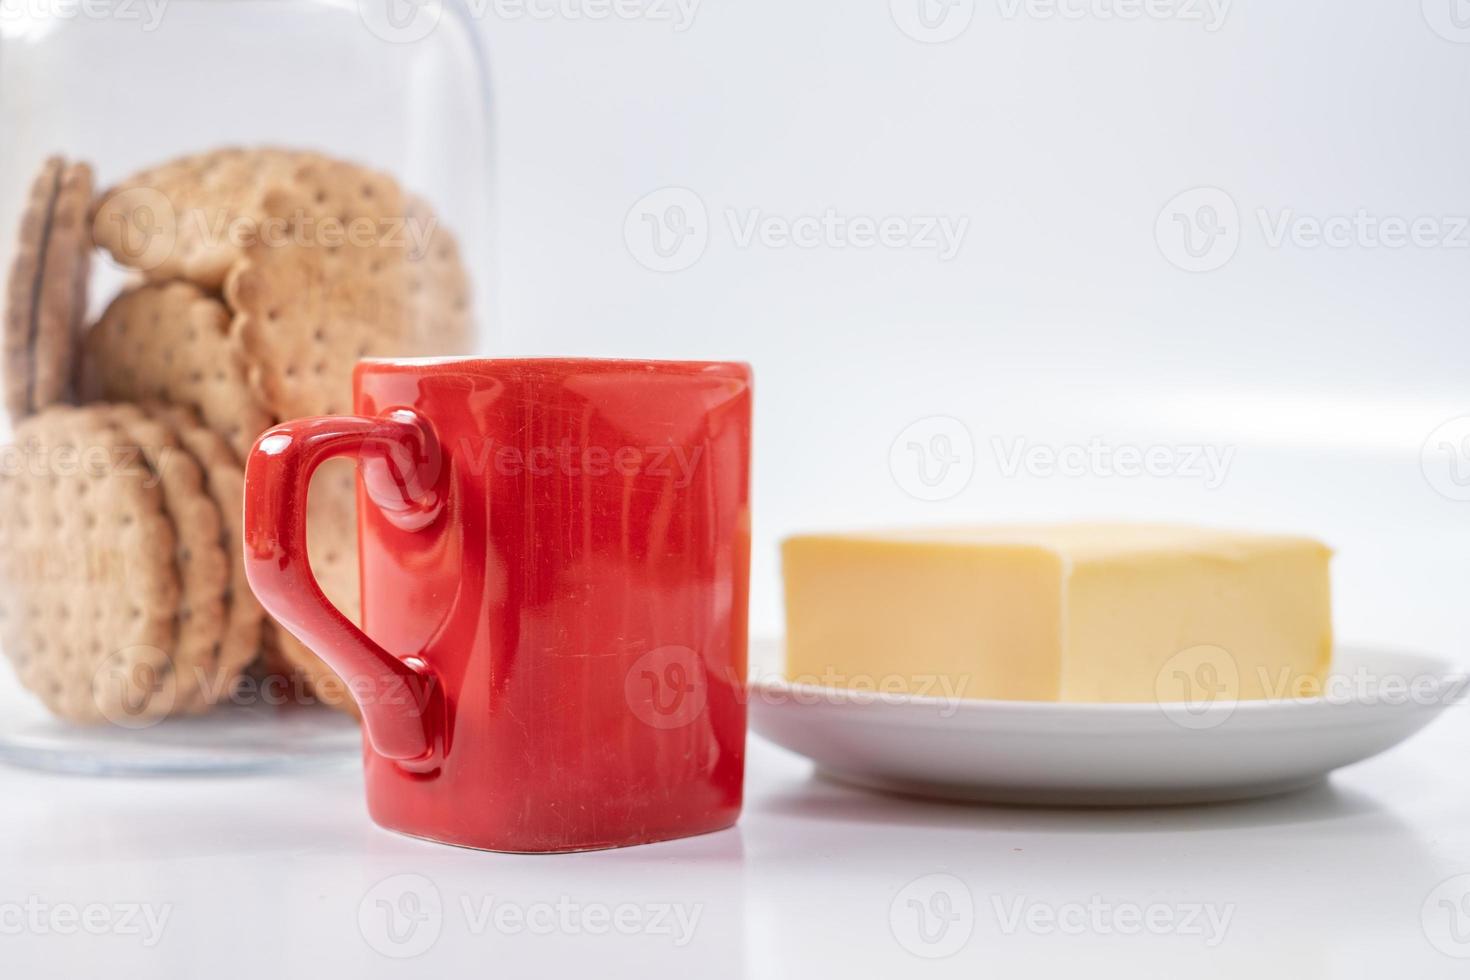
<point>549,366</point>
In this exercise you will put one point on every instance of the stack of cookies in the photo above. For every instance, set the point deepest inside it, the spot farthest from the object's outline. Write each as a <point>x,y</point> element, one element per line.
<point>258,279</point>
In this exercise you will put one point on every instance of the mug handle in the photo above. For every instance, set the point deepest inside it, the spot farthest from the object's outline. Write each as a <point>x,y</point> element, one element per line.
<point>401,700</point>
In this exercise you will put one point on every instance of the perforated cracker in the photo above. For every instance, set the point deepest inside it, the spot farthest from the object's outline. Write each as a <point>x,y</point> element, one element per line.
<point>204,570</point>
<point>46,289</point>
<point>368,273</point>
<point>89,587</point>
<point>63,292</point>
<point>186,218</point>
<point>225,481</point>
<point>22,286</point>
<point>331,546</point>
<point>170,342</point>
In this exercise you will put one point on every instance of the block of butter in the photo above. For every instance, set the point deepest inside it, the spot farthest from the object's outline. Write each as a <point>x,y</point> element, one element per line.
<point>1086,612</point>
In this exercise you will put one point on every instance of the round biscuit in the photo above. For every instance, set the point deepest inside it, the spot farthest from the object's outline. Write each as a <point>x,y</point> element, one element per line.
<point>170,342</point>
<point>89,587</point>
<point>204,570</point>
<point>366,271</point>
<point>23,287</point>
<point>166,221</point>
<point>225,481</point>
<point>331,547</point>
<point>62,303</point>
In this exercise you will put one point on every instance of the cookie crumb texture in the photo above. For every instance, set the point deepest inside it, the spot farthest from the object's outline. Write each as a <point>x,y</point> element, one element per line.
<point>170,342</point>
<point>89,583</point>
<point>122,590</point>
<point>363,270</point>
<point>46,289</point>
<point>240,638</point>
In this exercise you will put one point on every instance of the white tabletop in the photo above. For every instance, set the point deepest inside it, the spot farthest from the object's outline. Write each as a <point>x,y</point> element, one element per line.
<point>278,876</point>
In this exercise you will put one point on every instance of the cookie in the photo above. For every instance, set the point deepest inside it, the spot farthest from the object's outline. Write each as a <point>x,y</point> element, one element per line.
<point>89,586</point>
<point>170,342</point>
<point>225,481</point>
<point>272,660</point>
<point>63,293</point>
<point>331,534</point>
<point>46,289</point>
<point>308,680</point>
<point>187,218</point>
<point>22,287</point>
<point>315,681</point>
<point>369,272</point>
<point>331,547</point>
<point>203,563</point>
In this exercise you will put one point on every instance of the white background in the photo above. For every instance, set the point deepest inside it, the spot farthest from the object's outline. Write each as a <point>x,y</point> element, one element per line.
<point>1325,373</point>
<point>1059,139</point>
<point>1061,318</point>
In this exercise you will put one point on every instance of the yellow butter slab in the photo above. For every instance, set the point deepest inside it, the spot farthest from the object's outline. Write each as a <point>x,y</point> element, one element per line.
<point>1085,612</point>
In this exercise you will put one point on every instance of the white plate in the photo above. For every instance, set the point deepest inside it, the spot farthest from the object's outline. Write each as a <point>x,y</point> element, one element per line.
<point>1107,754</point>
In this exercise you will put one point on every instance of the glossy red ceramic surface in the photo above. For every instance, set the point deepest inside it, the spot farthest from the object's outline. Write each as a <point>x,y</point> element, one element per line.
<point>555,565</point>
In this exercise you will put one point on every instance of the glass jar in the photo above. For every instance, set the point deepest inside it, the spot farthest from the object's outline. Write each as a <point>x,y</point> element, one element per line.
<point>211,209</point>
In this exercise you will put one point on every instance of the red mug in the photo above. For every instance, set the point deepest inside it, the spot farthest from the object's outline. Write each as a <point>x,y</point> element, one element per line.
<point>555,564</point>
